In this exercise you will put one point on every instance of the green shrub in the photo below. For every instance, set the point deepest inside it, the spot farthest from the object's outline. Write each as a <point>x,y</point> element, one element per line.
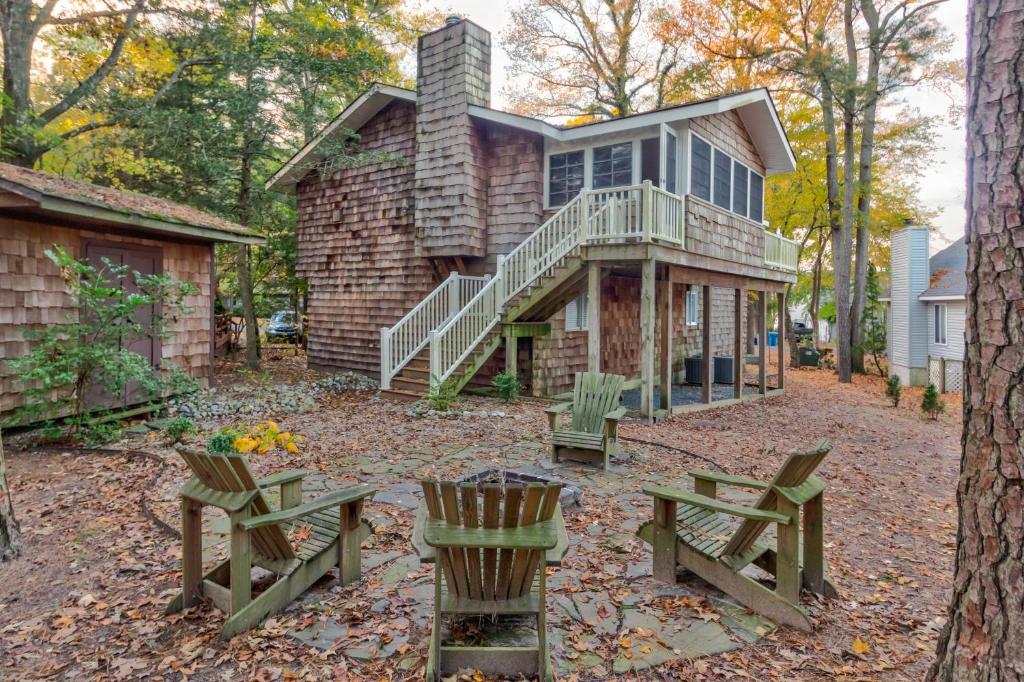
<point>177,429</point>
<point>507,384</point>
<point>931,404</point>
<point>893,390</point>
<point>223,442</point>
<point>441,394</point>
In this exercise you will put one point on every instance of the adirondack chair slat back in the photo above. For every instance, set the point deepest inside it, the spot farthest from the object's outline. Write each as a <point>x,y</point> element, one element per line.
<point>594,395</point>
<point>795,471</point>
<point>231,473</point>
<point>489,574</point>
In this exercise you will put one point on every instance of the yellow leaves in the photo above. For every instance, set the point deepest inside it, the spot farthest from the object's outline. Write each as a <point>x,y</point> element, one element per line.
<point>262,437</point>
<point>245,444</point>
<point>859,646</point>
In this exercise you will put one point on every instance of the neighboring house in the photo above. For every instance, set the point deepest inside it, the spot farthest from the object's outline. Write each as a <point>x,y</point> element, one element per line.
<point>465,231</point>
<point>38,211</point>
<point>927,311</point>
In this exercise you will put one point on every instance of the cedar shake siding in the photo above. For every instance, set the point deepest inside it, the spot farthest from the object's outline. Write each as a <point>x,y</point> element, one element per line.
<point>33,294</point>
<point>357,247</point>
<point>715,232</point>
<point>515,189</point>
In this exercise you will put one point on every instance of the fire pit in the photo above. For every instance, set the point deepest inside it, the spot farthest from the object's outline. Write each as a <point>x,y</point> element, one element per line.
<point>571,496</point>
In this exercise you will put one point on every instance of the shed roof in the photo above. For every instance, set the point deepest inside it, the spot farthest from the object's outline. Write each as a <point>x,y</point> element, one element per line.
<point>43,193</point>
<point>948,273</point>
<point>755,107</point>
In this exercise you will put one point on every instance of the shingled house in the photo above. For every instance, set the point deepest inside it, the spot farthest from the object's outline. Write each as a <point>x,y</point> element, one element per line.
<point>150,235</point>
<point>472,238</point>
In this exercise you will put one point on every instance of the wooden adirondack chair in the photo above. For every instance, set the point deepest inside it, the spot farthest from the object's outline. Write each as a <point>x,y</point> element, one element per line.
<point>331,525</point>
<point>595,419</point>
<point>489,560</point>
<point>689,530</point>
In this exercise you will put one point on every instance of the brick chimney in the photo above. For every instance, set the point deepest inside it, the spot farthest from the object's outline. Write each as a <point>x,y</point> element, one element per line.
<point>453,72</point>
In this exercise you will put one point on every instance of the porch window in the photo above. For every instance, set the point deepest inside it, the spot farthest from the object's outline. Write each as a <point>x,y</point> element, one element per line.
<point>691,306</point>
<point>940,324</point>
<point>700,168</point>
<point>613,165</point>
<point>576,314</point>
<point>739,188</point>
<point>670,163</point>
<point>756,197</point>
<point>565,177</point>
<point>723,180</point>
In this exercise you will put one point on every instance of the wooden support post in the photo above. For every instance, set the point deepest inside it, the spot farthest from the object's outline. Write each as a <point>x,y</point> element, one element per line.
<point>665,315</point>
<point>241,563</point>
<point>664,541</point>
<point>814,544</point>
<point>593,316</point>
<point>738,358</point>
<point>191,551</point>
<point>708,361</point>
<point>348,542</point>
<point>762,342</point>
<point>544,661</point>
<point>787,560</point>
<point>781,297</point>
<point>512,354</point>
<point>647,339</point>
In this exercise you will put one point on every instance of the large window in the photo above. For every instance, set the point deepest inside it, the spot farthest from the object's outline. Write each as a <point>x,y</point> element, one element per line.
<point>700,168</point>
<point>692,296</point>
<point>756,197</point>
<point>565,177</point>
<point>739,188</point>
<point>613,165</point>
<point>670,163</point>
<point>576,314</point>
<point>940,324</point>
<point>722,188</point>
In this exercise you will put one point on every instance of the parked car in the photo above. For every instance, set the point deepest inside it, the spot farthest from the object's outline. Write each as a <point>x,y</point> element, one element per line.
<point>283,327</point>
<point>801,330</point>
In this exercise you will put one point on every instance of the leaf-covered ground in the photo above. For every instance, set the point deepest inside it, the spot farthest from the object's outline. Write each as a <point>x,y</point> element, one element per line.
<point>86,598</point>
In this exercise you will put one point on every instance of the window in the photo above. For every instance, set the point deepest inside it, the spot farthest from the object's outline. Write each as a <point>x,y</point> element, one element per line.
<point>613,165</point>
<point>940,324</point>
<point>739,188</point>
<point>670,163</point>
<point>576,314</point>
<point>565,177</point>
<point>756,197</point>
<point>692,296</point>
<point>723,180</point>
<point>700,168</point>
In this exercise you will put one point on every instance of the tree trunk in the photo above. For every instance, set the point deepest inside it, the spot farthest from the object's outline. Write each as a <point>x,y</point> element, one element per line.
<point>18,35</point>
<point>842,240</point>
<point>816,290</point>
<point>8,524</point>
<point>984,636</point>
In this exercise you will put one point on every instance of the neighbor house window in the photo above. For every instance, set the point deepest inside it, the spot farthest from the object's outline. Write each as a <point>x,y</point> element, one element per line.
<point>739,188</point>
<point>700,168</point>
<point>565,177</point>
<point>756,197</point>
<point>723,180</point>
<point>613,165</point>
<point>576,314</point>
<point>691,306</point>
<point>940,324</point>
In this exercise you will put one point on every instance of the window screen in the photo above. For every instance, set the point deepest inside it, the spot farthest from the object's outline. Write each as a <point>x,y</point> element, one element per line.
<point>576,314</point>
<point>700,168</point>
<point>613,165</point>
<point>670,163</point>
<point>940,324</point>
<point>565,177</point>
<point>739,188</point>
<point>691,306</point>
<point>723,180</point>
<point>756,197</point>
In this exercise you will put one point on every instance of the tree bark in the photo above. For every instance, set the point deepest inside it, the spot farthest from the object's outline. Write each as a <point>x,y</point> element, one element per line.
<point>9,530</point>
<point>984,636</point>
<point>816,289</point>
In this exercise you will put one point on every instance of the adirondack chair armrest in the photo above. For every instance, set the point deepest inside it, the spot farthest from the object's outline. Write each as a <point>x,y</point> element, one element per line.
<point>281,478</point>
<point>556,410</point>
<point>541,536</point>
<point>327,501</point>
<point>727,479</point>
<point>611,421</point>
<point>695,500</point>
<point>554,556</point>
<point>425,552</point>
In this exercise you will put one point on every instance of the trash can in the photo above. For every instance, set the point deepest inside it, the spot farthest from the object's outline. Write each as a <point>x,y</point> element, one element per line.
<point>809,357</point>
<point>773,339</point>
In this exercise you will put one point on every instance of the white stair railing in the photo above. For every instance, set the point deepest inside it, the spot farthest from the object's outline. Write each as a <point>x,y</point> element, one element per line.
<point>401,342</point>
<point>780,252</point>
<point>455,340</point>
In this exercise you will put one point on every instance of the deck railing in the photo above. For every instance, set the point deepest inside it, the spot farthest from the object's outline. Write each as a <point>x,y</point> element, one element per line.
<point>780,252</point>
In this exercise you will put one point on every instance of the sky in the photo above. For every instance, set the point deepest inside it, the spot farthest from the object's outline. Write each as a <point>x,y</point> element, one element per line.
<point>942,186</point>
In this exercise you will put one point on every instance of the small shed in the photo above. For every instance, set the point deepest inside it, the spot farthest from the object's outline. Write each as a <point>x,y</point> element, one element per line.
<point>151,235</point>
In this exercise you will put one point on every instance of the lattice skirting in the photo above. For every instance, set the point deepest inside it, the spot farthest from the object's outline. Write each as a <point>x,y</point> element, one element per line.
<point>947,375</point>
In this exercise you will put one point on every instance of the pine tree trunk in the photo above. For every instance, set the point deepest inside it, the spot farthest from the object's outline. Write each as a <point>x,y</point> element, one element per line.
<point>8,524</point>
<point>984,635</point>
<point>816,290</point>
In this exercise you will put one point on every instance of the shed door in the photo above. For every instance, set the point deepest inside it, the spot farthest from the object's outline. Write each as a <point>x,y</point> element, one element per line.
<point>145,261</point>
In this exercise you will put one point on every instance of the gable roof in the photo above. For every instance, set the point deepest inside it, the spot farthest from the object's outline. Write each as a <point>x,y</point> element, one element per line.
<point>948,271</point>
<point>42,193</point>
<point>755,108</point>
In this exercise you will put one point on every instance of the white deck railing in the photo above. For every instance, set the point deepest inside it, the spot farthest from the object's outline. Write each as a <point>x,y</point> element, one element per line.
<point>780,252</point>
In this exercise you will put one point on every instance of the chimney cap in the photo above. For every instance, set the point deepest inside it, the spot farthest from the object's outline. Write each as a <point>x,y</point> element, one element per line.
<point>452,19</point>
<point>908,221</point>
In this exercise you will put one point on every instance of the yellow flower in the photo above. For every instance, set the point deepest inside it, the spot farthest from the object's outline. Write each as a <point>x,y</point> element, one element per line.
<point>291,447</point>
<point>244,444</point>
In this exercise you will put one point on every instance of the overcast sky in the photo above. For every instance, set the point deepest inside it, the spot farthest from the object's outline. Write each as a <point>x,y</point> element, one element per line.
<point>942,186</point>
